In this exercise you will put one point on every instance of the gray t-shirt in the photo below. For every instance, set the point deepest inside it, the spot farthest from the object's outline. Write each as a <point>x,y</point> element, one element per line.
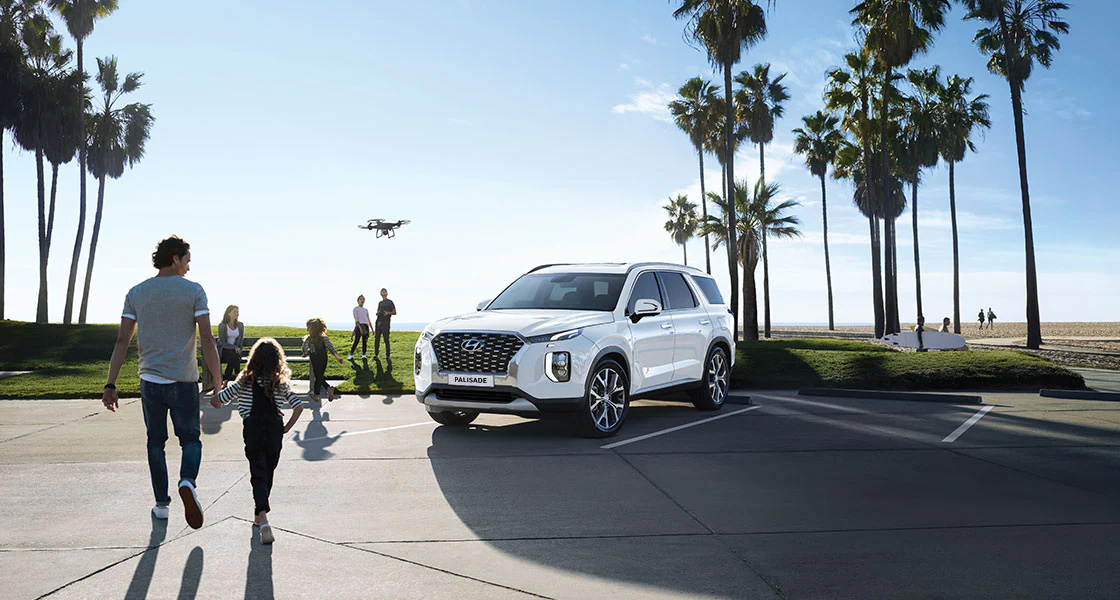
<point>164,309</point>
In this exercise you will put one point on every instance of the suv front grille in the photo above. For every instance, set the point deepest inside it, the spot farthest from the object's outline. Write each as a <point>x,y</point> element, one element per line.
<point>492,354</point>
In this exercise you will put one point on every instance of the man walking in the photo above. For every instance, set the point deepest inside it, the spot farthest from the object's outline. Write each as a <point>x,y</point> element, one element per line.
<point>991,318</point>
<point>385,310</point>
<point>168,309</point>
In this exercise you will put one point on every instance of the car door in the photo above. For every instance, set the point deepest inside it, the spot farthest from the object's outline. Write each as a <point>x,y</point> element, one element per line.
<point>691,327</point>
<point>651,337</point>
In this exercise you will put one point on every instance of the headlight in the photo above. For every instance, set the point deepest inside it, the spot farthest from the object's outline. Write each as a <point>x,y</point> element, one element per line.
<point>418,359</point>
<point>556,337</point>
<point>426,335</point>
<point>559,366</point>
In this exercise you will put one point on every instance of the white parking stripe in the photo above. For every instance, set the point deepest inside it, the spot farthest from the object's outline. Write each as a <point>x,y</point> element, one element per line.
<point>327,437</point>
<point>952,437</point>
<point>677,428</point>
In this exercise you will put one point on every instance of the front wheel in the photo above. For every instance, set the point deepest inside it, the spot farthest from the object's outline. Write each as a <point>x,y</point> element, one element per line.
<point>454,418</point>
<point>711,393</point>
<point>607,402</point>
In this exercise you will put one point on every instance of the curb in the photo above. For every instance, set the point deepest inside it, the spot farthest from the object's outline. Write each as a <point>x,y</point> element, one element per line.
<point>889,395</point>
<point>1080,395</point>
<point>742,399</point>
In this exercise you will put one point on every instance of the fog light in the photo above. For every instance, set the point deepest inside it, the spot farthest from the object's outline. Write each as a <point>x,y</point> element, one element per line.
<point>416,361</point>
<point>560,366</point>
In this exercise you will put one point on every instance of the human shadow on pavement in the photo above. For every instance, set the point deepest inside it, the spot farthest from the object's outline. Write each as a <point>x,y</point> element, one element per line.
<point>213,418</point>
<point>146,567</point>
<point>378,380</point>
<point>192,574</point>
<point>315,440</point>
<point>258,571</point>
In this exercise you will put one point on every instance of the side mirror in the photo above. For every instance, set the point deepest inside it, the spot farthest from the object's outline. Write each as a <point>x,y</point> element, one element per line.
<point>645,307</point>
<point>482,305</point>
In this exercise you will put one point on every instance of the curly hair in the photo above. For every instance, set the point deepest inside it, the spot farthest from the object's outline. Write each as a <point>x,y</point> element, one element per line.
<point>167,250</point>
<point>268,364</point>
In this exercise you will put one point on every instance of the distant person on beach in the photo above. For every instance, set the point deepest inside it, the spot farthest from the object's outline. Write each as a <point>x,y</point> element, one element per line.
<point>317,345</point>
<point>168,310</point>
<point>231,337</point>
<point>918,329</point>
<point>981,317</point>
<point>945,325</point>
<point>991,318</point>
<point>362,327</point>
<point>385,311</point>
<point>259,389</point>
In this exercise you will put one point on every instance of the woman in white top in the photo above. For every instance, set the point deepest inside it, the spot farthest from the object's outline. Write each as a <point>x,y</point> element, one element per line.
<point>362,327</point>
<point>231,336</point>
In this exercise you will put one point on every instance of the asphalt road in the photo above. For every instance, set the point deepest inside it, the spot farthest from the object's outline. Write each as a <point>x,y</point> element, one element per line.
<point>790,497</point>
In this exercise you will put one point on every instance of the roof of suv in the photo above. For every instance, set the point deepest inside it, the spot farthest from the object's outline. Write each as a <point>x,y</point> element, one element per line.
<point>620,268</point>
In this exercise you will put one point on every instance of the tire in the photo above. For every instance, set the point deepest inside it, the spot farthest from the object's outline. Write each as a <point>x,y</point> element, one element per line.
<point>599,417</point>
<point>454,418</point>
<point>711,392</point>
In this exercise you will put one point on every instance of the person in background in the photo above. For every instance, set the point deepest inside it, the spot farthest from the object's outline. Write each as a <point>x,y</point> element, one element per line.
<point>317,345</point>
<point>362,327</point>
<point>945,325</point>
<point>991,318</point>
<point>919,328</point>
<point>981,318</point>
<point>259,389</point>
<point>231,337</point>
<point>385,311</point>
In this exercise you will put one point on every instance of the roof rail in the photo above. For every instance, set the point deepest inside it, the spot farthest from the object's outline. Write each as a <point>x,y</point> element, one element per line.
<point>539,267</point>
<point>642,265</point>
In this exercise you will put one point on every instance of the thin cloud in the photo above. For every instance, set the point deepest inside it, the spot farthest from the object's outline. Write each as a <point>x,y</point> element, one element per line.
<point>649,39</point>
<point>652,102</point>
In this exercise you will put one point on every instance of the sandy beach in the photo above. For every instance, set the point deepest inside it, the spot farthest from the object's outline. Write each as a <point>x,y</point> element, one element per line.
<point>971,332</point>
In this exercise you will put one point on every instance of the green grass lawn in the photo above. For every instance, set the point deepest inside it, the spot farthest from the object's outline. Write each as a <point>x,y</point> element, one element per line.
<point>72,361</point>
<point>794,363</point>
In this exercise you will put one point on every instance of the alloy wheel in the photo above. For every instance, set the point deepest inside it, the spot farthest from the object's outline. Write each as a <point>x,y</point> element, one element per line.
<point>607,401</point>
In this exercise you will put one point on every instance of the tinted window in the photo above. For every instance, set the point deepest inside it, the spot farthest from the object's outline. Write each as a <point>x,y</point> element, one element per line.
<point>710,289</point>
<point>645,288</point>
<point>562,291</point>
<point>677,291</point>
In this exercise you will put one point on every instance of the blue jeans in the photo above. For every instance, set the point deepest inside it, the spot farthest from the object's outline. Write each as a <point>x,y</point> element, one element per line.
<point>181,400</point>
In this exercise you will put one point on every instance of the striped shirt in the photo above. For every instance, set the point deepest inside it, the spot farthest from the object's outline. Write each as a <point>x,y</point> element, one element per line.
<point>244,394</point>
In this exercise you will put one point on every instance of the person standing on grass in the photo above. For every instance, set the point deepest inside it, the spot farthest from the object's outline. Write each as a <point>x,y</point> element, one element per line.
<point>385,311</point>
<point>317,345</point>
<point>259,389</point>
<point>231,337</point>
<point>991,318</point>
<point>362,327</point>
<point>168,310</point>
<point>945,325</point>
<point>981,317</point>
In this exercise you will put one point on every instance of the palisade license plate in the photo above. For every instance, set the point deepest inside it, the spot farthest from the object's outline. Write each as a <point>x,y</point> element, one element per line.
<point>470,379</point>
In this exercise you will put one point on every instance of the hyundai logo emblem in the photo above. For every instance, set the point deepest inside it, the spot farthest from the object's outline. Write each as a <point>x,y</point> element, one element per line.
<point>472,345</point>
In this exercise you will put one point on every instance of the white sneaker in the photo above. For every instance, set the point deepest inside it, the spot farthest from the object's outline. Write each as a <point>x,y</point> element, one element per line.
<point>191,506</point>
<point>161,511</point>
<point>266,534</point>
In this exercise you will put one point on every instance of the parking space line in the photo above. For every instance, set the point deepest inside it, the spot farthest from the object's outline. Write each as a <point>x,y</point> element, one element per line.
<point>952,437</point>
<point>677,428</point>
<point>347,433</point>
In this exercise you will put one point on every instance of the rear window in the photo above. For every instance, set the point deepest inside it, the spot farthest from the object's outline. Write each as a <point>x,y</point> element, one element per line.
<point>676,291</point>
<point>709,288</point>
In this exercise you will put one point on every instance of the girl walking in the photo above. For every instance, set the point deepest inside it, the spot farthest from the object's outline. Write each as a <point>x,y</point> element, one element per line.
<point>259,390</point>
<point>316,345</point>
<point>362,327</point>
<point>231,337</point>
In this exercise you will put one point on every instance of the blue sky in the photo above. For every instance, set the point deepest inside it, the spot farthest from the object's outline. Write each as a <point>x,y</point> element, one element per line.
<point>520,133</point>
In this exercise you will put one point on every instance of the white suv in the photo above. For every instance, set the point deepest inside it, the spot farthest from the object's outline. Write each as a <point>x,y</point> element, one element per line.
<point>582,339</point>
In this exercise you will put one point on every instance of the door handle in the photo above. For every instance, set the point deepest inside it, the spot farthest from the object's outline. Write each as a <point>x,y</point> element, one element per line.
<point>666,325</point>
<point>705,322</point>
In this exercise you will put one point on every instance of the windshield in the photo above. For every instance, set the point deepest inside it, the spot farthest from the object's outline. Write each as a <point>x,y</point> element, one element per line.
<point>562,291</point>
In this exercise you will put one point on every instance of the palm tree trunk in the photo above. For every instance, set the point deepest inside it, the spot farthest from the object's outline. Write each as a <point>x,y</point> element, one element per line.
<point>92,248</point>
<point>68,310</point>
<point>885,189</point>
<point>762,168</point>
<point>888,277</point>
<point>704,212</point>
<point>41,308</point>
<point>956,255</point>
<point>894,274</point>
<point>1034,324</point>
<point>750,304</point>
<point>873,223</point>
<point>917,261</point>
<point>732,247</point>
<point>827,266</point>
<point>50,212</point>
<point>685,249</point>
<point>765,287</point>
<point>2,242</point>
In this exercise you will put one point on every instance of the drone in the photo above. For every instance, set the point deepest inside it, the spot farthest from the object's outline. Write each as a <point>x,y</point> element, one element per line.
<point>384,228</point>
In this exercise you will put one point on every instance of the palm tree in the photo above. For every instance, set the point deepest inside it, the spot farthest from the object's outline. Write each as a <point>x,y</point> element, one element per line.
<point>818,142</point>
<point>116,138</point>
<point>48,119</point>
<point>682,221</point>
<point>760,104</point>
<point>849,91</point>
<point>958,118</point>
<point>1018,34</point>
<point>693,115</point>
<point>80,16</point>
<point>725,28</point>
<point>749,239</point>
<point>774,223</point>
<point>920,132</point>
